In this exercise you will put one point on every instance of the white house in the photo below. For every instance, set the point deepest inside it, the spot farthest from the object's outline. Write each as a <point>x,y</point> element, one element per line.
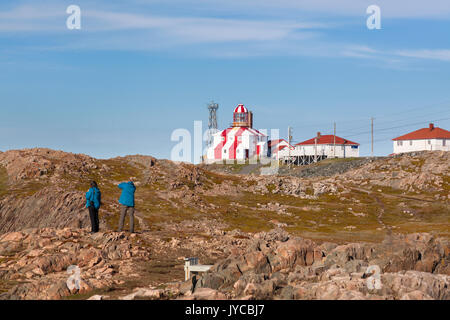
<point>430,138</point>
<point>327,146</point>
<point>279,148</point>
<point>240,142</point>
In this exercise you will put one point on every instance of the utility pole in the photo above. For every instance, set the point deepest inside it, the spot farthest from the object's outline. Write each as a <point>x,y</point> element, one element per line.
<point>371,127</point>
<point>315,149</point>
<point>289,147</point>
<point>334,141</point>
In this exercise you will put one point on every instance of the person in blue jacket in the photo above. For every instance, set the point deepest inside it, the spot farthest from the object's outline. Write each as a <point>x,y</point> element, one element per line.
<point>93,202</point>
<point>126,201</point>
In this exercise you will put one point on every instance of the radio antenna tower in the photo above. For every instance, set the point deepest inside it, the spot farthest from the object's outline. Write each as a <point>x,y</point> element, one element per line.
<point>212,123</point>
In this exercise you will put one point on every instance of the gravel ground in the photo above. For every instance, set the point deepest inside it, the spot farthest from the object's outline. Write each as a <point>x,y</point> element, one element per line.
<point>326,169</point>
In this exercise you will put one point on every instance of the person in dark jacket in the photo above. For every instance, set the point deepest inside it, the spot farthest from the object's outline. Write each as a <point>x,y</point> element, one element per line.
<point>126,201</point>
<point>93,201</point>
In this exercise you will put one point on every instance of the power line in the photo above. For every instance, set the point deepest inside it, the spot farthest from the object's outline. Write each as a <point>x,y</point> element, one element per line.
<point>415,108</point>
<point>385,129</point>
<point>396,127</point>
<point>352,130</point>
<point>371,129</point>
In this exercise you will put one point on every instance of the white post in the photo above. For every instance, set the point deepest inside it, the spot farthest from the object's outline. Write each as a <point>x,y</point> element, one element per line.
<point>334,141</point>
<point>315,149</point>
<point>187,263</point>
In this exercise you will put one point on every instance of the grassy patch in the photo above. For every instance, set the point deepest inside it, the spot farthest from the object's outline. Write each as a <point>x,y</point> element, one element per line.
<point>3,181</point>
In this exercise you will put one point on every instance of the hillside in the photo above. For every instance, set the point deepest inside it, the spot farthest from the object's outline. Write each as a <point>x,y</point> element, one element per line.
<point>186,210</point>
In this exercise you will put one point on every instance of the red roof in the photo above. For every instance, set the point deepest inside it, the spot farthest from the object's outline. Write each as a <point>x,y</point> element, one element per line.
<point>327,139</point>
<point>431,132</point>
<point>275,142</point>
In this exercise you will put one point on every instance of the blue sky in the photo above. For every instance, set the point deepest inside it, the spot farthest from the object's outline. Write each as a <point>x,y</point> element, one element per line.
<point>137,71</point>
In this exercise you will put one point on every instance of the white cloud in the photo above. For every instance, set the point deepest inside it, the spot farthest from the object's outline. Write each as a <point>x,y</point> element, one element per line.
<point>184,29</point>
<point>193,29</point>
<point>389,8</point>
<point>111,28</point>
<point>443,54</point>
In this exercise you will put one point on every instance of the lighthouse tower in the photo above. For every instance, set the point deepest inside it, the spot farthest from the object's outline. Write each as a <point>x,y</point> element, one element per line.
<point>240,142</point>
<point>242,117</point>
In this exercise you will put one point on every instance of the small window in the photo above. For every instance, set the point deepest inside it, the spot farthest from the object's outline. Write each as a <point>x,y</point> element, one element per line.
<point>399,143</point>
<point>443,142</point>
<point>429,141</point>
<point>410,142</point>
<point>224,151</point>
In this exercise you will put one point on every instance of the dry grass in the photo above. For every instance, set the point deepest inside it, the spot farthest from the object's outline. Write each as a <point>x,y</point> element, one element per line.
<point>3,181</point>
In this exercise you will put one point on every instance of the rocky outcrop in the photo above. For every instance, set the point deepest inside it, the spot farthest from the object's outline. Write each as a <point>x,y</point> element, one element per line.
<point>38,260</point>
<point>411,267</point>
<point>49,207</point>
<point>34,264</point>
<point>45,163</point>
<point>415,172</point>
<point>328,169</point>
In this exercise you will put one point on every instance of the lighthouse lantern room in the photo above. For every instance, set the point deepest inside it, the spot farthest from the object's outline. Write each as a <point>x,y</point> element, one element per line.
<point>242,117</point>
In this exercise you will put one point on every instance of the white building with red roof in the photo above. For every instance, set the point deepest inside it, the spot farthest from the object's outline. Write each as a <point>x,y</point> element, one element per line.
<point>240,142</point>
<point>279,148</point>
<point>327,146</point>
<point>430,138</point>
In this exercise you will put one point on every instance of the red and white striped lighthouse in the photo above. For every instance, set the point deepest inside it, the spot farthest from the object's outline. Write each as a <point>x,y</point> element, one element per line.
<point>239,142</point>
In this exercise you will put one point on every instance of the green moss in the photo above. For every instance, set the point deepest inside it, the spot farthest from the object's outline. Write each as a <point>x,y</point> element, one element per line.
<point>270,187</point>
<point>446,183</point>
<point>418,162</point>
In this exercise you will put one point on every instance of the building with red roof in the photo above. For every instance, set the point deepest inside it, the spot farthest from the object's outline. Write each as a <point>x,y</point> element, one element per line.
<point>430,138</point>
<point>279,148</point>
<point>327,146</point>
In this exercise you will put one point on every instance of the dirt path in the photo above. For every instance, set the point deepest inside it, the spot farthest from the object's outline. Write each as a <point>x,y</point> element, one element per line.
<point>250,168</point>
<point>380,215</point>
<point>392,195</point>
<point>381,207</point>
